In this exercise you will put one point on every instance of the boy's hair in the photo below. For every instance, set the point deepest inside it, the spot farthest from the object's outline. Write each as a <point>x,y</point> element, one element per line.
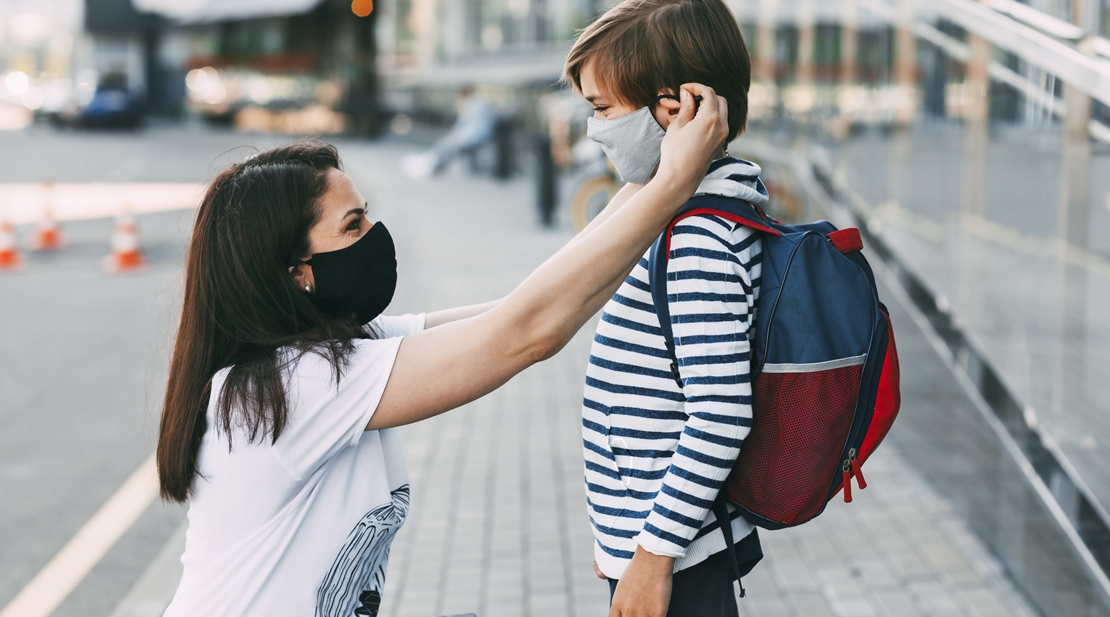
<point>645,46</point>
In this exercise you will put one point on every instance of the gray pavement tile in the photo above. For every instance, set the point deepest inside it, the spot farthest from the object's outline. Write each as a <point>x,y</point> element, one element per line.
<point>875,575</point>
<point>909,566</point>
<point>512,589</point>
<point>847,599</point>
<point>590,609</point>
<point>549,604</point>
<point>822,550</point>
<point>766,608</point>
<point>1013,600</point>
<point>980,602</point>
<point>459,603</point>
<point>504,610</point>
<point>960,577</point>
<point>418,606</point>
<point>835,575</point>
<point>895,602</point>
<point>794,577</point>
<point>810,604</point>
<point>941,555</point>
<point>934,598</point>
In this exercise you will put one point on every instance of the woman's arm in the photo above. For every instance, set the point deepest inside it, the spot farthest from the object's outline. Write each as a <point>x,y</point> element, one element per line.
<point>442,368</point>
<point>438,318</point>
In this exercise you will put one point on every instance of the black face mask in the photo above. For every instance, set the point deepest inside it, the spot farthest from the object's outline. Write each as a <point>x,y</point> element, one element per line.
<point>357,281</point>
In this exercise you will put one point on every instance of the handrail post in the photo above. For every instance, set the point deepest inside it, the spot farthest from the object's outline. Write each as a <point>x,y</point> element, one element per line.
<point>976,113</point>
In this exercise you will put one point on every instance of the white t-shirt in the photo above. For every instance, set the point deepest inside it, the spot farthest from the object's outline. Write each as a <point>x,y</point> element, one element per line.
<point>302,526</point>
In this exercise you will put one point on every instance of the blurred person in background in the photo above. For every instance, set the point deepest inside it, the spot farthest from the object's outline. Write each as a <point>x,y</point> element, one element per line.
<point>286,382</point>
<point>560,145</point>
<point>475,126</point>
<point>659,442</point>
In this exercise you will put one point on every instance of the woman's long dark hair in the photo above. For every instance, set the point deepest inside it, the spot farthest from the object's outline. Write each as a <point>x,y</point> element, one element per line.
<point>241,306</point>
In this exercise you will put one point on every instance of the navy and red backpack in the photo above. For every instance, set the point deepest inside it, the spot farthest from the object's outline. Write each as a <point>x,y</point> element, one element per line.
<point>823,364</point>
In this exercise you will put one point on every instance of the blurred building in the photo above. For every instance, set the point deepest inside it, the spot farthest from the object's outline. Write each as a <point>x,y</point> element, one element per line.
<point>496,41</point>
<point>37,40</point>
<point>512,50</point>
<point>868,62</point>
<point>289,65</point>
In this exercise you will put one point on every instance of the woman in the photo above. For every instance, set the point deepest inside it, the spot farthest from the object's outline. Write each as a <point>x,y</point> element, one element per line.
<point>285,381</point>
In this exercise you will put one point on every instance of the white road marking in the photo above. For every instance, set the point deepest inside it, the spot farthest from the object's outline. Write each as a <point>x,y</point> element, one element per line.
<point>70,566</point>
<point>29,202</point>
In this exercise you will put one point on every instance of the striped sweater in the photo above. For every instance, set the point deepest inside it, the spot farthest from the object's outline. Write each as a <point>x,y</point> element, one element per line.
<point>657,454</point>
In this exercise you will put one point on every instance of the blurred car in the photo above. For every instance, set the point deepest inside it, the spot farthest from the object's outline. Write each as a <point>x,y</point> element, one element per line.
<point>110,107</point>
<point>94,102</point>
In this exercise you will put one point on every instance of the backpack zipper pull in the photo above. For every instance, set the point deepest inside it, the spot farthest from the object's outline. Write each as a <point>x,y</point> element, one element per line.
<point>857,471</point>
<point>850,467</point>
<point>847,482</point>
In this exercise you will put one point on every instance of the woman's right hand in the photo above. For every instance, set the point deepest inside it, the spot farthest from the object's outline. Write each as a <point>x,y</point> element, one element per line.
<point>694,135</point>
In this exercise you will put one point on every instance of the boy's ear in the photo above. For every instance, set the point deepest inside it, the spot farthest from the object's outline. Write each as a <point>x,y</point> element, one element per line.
<point>669,105</point>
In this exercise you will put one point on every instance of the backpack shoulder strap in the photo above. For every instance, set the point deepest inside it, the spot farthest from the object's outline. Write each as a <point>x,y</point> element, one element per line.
<point>735,210</point>
<point>657,280</point>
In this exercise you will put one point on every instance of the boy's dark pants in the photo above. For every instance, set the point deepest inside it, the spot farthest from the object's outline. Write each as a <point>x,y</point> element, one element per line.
<point>706,590</point>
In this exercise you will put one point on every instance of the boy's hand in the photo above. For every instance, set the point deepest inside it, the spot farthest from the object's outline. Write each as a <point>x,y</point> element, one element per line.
<point>693,136</point>
<point>645,588</point>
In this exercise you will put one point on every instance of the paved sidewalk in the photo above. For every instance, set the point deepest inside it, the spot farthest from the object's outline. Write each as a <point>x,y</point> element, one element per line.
<point>498,524</point>
<point>899,549</point>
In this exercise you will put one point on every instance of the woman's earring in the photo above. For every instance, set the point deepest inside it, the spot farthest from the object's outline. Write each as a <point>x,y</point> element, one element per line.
<point>308,288</point>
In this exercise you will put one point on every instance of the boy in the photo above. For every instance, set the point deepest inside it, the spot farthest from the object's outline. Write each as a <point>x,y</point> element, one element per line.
<point>657,451</point>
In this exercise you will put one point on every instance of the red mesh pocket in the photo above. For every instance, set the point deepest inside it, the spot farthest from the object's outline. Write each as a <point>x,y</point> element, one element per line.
<point>800,423</point>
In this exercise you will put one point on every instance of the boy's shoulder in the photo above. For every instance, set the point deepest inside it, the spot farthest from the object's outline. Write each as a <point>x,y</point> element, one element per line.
<point>708,229</point>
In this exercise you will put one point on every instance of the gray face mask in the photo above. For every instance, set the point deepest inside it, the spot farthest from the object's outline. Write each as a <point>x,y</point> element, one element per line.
<point>631,142</point>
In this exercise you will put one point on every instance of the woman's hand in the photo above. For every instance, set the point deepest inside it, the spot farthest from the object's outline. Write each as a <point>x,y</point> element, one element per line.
<point>692,137</point>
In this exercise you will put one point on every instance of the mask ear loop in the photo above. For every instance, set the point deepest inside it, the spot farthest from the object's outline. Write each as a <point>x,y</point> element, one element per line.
<point>674,97</point>
<point>656,100</point>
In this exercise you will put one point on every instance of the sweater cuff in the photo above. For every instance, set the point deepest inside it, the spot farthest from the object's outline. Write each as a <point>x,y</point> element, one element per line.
<point>658,546</point>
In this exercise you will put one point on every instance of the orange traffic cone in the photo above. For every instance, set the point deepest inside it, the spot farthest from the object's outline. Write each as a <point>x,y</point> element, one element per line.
<point>47,236</point>
<point>126,253</point>
<point>10,259</point>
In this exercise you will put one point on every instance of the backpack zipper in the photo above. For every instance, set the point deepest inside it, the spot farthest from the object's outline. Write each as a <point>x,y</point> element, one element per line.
<point>851,468</point>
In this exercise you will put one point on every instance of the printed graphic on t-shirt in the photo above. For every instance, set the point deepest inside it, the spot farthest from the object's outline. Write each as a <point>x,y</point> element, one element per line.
<point>353,585</point>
